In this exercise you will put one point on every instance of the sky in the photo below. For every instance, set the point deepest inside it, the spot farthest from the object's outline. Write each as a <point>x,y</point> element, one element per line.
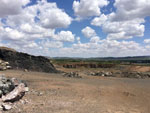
<point>76,28</point>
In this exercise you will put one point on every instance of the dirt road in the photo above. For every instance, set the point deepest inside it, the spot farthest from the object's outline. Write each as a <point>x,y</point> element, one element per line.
<point>52,93</point>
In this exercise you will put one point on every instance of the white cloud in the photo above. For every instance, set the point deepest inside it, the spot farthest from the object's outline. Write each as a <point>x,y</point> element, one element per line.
<point>98,21</point>
<point>52,17</point>
<point>147,47</point>
<point>32,29</point>
<point>65,36</point>
<point>78,39</point>
<point>51,44</point>
<point>10,34</point>
<point>25,32</point>
<point>95,39</point>
<point>11,7</point>
<point>88,32</point>
<point>47,15</point>
<point>120,29</point>
<point>131,9</point>
<point>104,48</point>
<point>147,41</point>
<point>36,30</point>
<point>31,45</point>
<point>127,21</point>
<point>27,27</point>
<point>124,29</point>
<point>27,16</point>
<point>87,8</point>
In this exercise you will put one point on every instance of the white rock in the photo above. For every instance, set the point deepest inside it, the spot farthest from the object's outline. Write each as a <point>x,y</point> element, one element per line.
<point>8,67</point>
<point>26,89</point>
<point>6,106</point>
<point>6,63</point>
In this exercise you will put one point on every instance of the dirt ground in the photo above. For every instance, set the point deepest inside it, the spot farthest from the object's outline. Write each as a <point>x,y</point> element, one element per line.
<point>53,93</point>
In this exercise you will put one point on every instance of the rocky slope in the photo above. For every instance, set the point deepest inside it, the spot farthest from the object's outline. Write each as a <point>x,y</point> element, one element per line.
<point>18,60</point>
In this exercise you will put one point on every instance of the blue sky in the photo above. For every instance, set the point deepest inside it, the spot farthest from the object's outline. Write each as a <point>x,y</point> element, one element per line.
<point>76,28</point>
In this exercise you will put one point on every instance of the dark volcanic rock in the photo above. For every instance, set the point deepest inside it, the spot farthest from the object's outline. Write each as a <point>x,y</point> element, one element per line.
<point>18,60</point>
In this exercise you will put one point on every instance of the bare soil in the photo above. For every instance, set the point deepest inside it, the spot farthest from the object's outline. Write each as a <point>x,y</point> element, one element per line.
<point>53,93</point>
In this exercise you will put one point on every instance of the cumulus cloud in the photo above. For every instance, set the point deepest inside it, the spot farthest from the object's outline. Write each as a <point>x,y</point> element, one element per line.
<point>147,41</point>
<point>10,34</point>
<point>65,36</point>
<point>32,29</point>
<point>95,39</point>
<point>87,8</point>
<point>78,40</point>
<point>105,48</point>
<point>31,45</point>
<point>88,32</point>
<point>128,20</point>
<point>36,30</point>
<point>98,21</point>
<point>52,17</point>
<point>120,29</point>
<point>131,9</point>
<point>46,14</point>
<point>32,24</point>
<point>124,29</point>
<point>51,44</point>
<point>11,7</point>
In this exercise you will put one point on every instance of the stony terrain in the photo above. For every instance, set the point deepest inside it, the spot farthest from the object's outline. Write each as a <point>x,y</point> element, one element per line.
<point>53,93</point>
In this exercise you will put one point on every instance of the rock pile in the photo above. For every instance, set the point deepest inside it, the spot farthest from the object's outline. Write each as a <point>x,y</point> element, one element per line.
<point>122,74</point>
<point>19,60</point>
<point>4,65</point>
<point>11,90</point>
<point>72,74</point>
<point>6,85</point>
<point>104,74</point>
<point>136,74</point>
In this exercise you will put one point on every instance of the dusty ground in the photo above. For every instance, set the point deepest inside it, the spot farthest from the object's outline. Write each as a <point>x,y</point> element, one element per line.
<point>52,93</point>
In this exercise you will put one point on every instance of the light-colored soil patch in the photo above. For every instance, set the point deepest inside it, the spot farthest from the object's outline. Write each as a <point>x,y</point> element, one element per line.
<point>52,93</point>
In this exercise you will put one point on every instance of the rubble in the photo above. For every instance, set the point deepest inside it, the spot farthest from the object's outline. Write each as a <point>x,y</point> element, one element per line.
<point>6,107</point>
<point>136,74</point>
<point>4,65</point>
<point>102,73</point>
<point>72,74</point>
<point>16,94</point>
<point>122,74</point>
<point>6,85</point>
<point>11,90</point>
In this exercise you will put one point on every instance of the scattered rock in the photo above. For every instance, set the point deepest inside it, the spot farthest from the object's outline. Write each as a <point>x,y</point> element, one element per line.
<point>128,94</point>
<point>25,70</point>
<point>72,74</point>
<point>6,107</point>
<point>39,94</point>
<point>103,74</point>
<point>137,75</point>
<point>6,85</point>
<point>4,65</point>
<point>11,90</point>
<point>16,94</point>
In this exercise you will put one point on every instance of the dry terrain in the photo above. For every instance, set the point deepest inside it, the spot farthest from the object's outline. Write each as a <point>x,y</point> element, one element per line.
<point>53,93</point>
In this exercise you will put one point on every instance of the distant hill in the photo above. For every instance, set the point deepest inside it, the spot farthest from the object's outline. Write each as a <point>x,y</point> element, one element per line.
<point>19,60</point>
<point>129,59</point>
<point>108,58</point>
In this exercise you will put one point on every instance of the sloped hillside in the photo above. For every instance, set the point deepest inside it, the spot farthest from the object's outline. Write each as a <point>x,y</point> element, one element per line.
<point>18,60</point>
